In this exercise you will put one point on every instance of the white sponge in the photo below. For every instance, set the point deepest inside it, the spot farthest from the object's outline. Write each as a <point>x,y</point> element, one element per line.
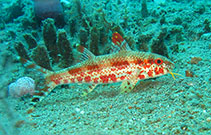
<point>23,86</point>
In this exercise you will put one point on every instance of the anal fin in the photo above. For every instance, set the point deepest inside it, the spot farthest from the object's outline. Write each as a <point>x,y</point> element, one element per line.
<point>130,83</point>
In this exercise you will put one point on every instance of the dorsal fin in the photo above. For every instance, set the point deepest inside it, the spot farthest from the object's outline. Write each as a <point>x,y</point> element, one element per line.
<point>86,54</point>
<point>119,43</point>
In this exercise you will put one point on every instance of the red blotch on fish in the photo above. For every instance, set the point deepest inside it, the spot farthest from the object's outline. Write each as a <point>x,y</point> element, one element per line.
<point>87,79</point>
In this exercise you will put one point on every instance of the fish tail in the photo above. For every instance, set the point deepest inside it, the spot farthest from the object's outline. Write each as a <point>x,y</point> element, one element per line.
<point>43,92</point>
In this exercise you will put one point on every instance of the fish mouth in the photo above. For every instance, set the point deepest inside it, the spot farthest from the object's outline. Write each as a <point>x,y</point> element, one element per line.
<point>170,66</point>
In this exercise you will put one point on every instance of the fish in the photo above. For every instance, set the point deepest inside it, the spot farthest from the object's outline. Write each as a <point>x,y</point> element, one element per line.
<point>122,64</point>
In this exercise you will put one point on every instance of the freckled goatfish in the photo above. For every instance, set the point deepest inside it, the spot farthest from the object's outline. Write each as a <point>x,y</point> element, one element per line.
<point>121,65</point>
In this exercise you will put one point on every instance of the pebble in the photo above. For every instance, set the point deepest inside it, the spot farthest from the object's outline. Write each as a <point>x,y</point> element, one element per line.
<point>208,119</point>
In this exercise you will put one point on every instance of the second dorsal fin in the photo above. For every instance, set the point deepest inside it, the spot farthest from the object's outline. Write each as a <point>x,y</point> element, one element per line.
<point>119,43</point>
<point>86,54</point>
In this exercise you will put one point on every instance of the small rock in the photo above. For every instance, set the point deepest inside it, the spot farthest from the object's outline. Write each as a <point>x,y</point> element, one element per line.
<point>82,112</point>
<point>195,60</point>
<point>184,127</point>
<point>19,123</point>
<point>188,73</point>
<point>208,119</point>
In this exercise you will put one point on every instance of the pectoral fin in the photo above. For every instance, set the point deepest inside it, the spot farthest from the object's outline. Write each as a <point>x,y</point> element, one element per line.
<point>130,83</point>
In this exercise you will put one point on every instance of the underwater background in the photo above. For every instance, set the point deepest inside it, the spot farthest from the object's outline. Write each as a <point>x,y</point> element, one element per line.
<point>46,32</point>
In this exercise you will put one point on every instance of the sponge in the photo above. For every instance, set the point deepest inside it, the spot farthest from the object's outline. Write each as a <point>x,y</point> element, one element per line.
<point>23,86</point>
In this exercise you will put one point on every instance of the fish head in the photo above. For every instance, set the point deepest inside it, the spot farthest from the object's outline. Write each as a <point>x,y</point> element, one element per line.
<point>153,65</point>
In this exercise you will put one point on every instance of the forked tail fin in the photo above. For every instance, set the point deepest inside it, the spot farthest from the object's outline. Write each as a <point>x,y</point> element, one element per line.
<point>49,85</point>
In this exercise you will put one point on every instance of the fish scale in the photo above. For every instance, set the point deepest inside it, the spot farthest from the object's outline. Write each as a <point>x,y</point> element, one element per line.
<point>111,70</point>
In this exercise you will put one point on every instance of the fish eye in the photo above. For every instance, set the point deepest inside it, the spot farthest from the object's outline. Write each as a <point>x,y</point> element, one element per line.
<point>158,61</point>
